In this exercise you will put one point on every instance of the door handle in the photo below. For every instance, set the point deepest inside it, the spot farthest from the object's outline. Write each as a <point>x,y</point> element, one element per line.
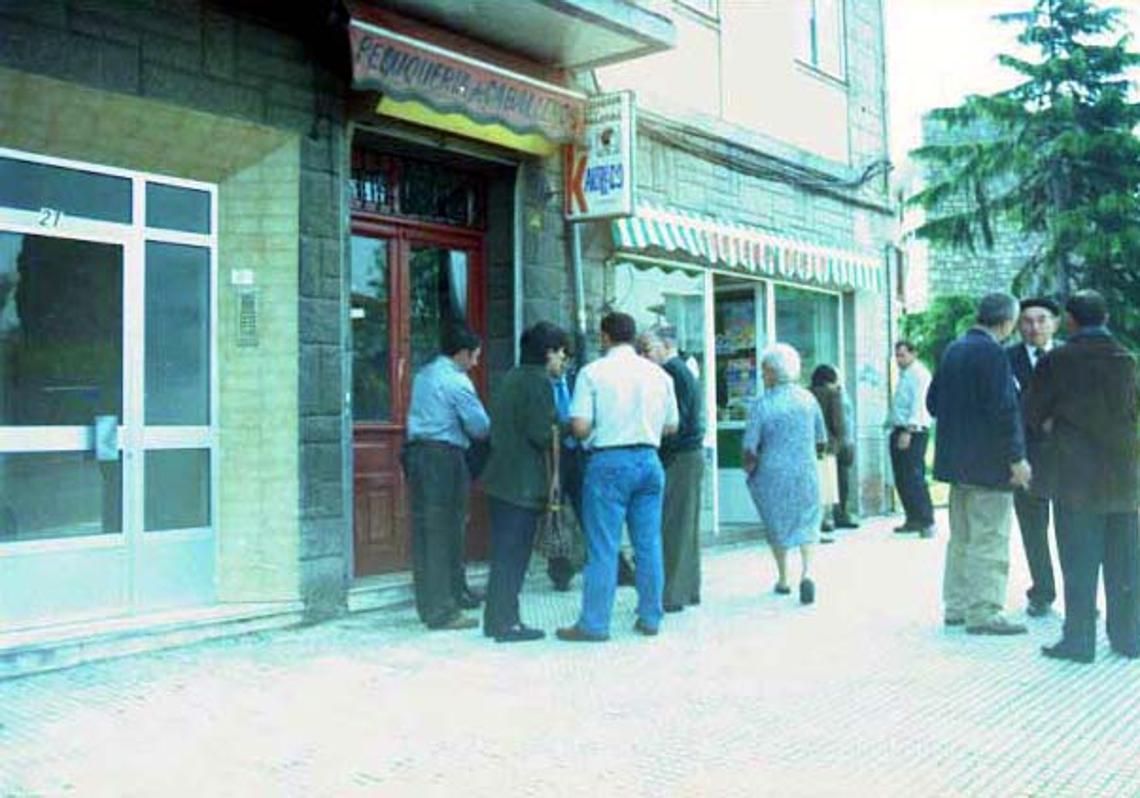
<point>106,435</point>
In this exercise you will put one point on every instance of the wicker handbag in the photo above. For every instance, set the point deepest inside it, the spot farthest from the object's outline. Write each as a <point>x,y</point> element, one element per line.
<point>553,538</point>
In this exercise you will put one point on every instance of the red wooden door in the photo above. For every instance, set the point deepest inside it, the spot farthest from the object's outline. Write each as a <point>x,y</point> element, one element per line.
<point>408,281</point>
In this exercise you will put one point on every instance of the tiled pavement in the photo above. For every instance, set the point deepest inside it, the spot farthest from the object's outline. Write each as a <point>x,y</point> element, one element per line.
<point>750,694</point>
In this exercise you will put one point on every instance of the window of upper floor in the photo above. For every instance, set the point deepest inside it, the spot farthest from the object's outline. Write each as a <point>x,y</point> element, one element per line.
<point>819,38</point>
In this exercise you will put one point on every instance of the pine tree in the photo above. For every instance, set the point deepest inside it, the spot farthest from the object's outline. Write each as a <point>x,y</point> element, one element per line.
<point>1056,158</point>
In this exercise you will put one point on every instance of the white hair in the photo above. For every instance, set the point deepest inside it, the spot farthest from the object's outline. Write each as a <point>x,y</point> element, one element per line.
<point>783,361</point>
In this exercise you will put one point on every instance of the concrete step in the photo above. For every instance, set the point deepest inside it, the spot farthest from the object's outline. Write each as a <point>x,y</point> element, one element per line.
<point>46,648</point>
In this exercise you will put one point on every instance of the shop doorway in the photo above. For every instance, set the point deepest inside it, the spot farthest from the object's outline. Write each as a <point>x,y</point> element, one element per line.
<point>748,315</point>
<point>107,402</point>
<point>408,284</point>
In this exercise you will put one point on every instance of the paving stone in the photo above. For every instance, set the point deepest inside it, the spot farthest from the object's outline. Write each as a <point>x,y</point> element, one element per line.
<point>749,694</point>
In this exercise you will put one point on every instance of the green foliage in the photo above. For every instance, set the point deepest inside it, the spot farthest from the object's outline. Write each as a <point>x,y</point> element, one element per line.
<point>1056,157</point>
<point>935,328</point>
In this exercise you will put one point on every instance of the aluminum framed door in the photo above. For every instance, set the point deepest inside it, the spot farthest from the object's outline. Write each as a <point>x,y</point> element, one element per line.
<point>107,397</point>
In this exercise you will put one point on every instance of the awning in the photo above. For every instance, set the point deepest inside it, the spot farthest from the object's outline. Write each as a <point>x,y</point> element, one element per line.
<point>747,249</point>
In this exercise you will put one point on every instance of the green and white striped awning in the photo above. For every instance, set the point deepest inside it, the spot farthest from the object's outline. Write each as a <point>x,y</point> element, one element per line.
<point>747,249</point>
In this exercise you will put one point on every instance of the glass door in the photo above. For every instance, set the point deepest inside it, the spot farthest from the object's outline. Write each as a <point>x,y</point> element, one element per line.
<point>409,283</point>
<point>106,374</point>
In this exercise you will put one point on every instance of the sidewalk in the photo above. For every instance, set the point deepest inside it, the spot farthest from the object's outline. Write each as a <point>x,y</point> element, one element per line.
<point>749,694</point>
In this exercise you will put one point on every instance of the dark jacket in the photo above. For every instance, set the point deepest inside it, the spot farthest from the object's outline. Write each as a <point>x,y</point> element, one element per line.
<point>522,424</point>
<point>690,432</point>
<point>974,399</point>
<point>831,404</point>
<point>1023,374</point>
<point>1088,389</point>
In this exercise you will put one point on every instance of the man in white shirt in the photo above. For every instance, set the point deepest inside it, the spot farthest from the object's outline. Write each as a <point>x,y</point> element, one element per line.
<point>910,432</point>
<point>622,406</point>
<point>1037,324</point>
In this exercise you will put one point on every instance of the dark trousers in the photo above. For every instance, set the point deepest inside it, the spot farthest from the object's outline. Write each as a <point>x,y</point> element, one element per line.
<point>1033,520</point>
<point>843,462</point>
<point>1087,543</point>
<point>439,483</point>
<point>512,538</point>
<point>680,528</point>
<point>909,466</point>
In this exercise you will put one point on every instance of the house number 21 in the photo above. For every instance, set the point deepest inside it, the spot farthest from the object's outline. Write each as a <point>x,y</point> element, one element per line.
<point>49,217</point>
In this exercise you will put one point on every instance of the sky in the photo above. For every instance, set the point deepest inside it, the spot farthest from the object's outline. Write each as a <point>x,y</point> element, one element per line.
<point>938,51</point>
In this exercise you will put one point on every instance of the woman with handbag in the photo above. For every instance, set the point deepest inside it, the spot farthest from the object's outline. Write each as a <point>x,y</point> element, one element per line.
<point>517,479</point>
<point>826,389</point>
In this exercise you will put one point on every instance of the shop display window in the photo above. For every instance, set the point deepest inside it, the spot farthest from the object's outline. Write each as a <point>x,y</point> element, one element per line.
<point>656,296</point>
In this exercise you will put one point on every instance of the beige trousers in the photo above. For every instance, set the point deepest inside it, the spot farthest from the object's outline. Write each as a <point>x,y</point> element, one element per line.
<point>977,556</point>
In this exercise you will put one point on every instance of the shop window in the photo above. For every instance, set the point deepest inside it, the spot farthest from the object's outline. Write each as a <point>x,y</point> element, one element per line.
<point>808,321</point>
<point>819,39</point>
<point>664,296</point>
<point>740,319</point>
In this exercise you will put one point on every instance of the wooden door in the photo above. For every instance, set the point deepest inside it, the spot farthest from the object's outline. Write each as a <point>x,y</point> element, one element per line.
<point>408,281</point>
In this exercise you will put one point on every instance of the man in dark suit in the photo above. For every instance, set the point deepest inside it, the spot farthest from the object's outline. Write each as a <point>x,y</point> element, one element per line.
<point>980,451</point>
<point>1037,323</point>
<point>1083,397</point>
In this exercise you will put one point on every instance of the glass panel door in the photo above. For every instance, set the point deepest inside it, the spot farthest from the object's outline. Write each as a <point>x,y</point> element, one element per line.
<point>61,374</point>
<point>809,321</point>
<point>439,278</point>
<point>371,319</point>
<point>107,426</point>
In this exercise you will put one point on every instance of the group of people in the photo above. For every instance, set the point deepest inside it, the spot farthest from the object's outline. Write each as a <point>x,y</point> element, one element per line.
<point>1030,428</point>
<point>628,437</point>
<point>1034,426</point>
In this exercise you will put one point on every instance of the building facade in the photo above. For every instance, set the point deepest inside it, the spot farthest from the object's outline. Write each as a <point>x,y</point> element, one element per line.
<point>231,231</point>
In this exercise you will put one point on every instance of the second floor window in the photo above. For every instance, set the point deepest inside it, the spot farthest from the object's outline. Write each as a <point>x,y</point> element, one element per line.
<point>820,42</point>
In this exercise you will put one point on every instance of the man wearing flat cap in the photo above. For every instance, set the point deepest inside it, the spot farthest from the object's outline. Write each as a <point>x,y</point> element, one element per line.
<point>1037,323</point>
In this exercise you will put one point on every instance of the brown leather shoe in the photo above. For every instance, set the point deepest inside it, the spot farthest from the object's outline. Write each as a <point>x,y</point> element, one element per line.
<point>455,622</point>
<point>575,634</point>
<point>997,625</point>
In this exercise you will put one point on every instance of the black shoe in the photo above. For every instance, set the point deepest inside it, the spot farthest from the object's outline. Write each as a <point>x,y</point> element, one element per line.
<point>469,599</point>
<point>827,526</point>
<point>673,607</point>
<point>575,634</point>
<point>807,592</point>
<point>1063,651</point>
<point>826,538</point>
<point>519,633</point>
<point>846,523</point>
<point>905,529</point>
<point>1128,653</point>
<point>1038,609</point>
<point>644,628</point>
<point>783,590</point>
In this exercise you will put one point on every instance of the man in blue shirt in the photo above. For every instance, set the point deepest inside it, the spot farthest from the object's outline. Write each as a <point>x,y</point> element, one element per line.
<point>444,417</point>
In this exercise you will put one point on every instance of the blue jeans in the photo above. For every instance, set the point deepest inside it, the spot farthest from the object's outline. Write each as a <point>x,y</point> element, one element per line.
<point>621,485</point>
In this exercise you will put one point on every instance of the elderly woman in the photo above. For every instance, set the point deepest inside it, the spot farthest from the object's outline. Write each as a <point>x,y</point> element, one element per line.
<point>785,431</point>
<point>517,477</point>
